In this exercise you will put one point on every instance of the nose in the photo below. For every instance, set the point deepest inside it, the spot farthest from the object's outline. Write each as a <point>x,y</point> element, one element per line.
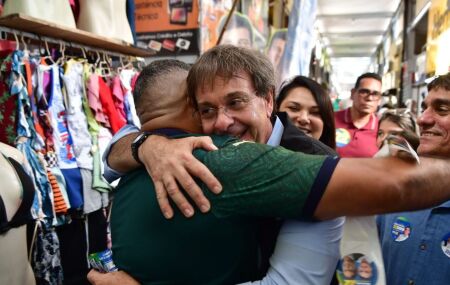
<point>426,118</point>
<point>303,117</point>
<point>223,122</point>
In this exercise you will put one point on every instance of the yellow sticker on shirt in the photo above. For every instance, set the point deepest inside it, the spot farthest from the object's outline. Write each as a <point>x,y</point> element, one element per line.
<point>342,137</point>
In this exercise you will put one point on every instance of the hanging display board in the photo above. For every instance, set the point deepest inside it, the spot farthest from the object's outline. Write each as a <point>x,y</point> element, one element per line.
<point>438,40</point>
<point>248,28</point>
<point>168,27</point>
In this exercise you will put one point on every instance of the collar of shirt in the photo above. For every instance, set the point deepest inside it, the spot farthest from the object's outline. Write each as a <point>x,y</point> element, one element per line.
<point>277,133</point>
<point>371,124</point>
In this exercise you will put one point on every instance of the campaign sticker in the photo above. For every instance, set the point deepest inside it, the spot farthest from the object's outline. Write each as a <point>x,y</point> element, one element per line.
<point>155,45</point>
<point>342,137</point>
<point>357,268</point>
<point>183,44</point>
<point>401,229</point>
<point>168,44</point>
<point>445,244</point>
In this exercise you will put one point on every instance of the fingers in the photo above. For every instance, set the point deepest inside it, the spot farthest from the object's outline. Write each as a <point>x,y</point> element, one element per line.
<point>193,190</point>
<point>163,201</point>
<point>177,197</point>
<point>204,142</point>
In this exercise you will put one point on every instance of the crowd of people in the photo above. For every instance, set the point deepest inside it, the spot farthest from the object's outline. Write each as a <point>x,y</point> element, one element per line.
<point>290,238</point>
<point>273,176</point>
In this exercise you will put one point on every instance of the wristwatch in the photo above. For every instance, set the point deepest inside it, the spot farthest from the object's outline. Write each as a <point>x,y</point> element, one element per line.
<point>140,139</point>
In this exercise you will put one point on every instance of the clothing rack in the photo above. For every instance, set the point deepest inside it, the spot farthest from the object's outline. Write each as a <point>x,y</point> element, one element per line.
<point>40,30</point>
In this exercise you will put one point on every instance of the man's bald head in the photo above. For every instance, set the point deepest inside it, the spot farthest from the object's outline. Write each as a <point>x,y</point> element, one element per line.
<point>160,96</point>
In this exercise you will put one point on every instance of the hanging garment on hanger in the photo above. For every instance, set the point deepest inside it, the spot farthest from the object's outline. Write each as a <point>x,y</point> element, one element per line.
<point>126,75</point>
<point>76,118</point>
<point>78,126</point>
<point>42,207</point>
<point>8,106</point>
<point>63,141</point>
<point>108,106</point>
<point>118,97</point>
<point>93,95</point>
<point>46,260</point>
<point>98,182</point>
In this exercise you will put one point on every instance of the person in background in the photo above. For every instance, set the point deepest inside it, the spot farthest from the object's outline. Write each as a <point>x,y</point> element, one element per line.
<point>356,131</point>
<point>309,108</point>
<point>421,257</point>
<point>398,122</point>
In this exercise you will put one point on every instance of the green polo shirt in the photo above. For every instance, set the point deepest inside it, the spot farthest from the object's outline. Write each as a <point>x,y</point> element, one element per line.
<point>219,247</point>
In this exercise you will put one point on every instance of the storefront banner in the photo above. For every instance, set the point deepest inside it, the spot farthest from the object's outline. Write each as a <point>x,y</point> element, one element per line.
<point>168,27</point>
<point>438,40</point>
<point>297,54</point>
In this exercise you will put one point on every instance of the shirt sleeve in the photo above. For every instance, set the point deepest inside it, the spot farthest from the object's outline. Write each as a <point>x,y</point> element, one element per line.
<point>109,173</point>
<point>305,253</point>
<point>259,180</point>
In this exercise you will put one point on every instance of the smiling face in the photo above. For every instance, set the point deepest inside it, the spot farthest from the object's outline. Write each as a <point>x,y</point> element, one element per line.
<point>232,107</point>
<point>434,124</point>
<point>303,110</point>
<point>387,127</point>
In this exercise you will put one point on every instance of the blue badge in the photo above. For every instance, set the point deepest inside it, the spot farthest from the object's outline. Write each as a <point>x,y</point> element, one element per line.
<point>343,137</point>
<point>401,229</point>
<point>445,244</point>
<point>357,268</point>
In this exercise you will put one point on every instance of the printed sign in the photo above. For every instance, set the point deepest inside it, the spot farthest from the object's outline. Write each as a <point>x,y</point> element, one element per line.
<point>168,27</point>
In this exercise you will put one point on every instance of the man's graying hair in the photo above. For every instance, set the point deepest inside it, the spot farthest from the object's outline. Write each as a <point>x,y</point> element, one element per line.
<point>152,71</point>
<point>442,81</point>
<point>227,61</point>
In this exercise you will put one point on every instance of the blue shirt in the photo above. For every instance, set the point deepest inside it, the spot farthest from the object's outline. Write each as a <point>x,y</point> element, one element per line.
<point>422,256</point>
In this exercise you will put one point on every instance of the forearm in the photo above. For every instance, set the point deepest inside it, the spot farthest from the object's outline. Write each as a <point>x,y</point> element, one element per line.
<point>377,186</point>
<point>120,157</point>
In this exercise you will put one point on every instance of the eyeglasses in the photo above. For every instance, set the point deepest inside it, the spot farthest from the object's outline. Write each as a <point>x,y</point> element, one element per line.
<point>233,106</point>
<point>364,92</point>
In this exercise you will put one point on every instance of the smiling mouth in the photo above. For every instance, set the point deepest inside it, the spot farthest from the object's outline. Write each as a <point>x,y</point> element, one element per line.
<point>429,134</point>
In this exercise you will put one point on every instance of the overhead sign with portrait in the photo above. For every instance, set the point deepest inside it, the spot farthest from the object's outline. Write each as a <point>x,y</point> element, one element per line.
<point>248,28</point>
<point>168,27</point>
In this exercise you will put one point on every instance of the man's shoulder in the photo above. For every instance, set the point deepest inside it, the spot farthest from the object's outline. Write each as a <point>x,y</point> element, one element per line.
<point>218,140</point>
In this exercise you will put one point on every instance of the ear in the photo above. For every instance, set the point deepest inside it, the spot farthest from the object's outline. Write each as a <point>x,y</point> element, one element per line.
<point>269,103</point>
<point>352,94</point>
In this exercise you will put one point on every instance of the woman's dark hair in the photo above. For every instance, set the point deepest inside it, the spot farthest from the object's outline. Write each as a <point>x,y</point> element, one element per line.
<point>323,101</point>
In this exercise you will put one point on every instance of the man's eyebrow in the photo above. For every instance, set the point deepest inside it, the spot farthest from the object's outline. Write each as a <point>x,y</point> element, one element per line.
<point>441,101</point>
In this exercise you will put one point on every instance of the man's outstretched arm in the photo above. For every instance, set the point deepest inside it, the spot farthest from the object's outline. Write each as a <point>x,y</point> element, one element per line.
<point>375,186</point>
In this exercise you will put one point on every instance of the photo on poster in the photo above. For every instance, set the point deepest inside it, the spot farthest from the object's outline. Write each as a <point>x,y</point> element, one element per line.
<point>238,32</point>
<point>178,15</point>
<point>357,268</point>
<point>176,3</point>
<point>188,5</point>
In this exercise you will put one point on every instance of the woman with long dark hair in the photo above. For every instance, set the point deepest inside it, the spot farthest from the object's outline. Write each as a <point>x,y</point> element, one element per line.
<point>309,107</point>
